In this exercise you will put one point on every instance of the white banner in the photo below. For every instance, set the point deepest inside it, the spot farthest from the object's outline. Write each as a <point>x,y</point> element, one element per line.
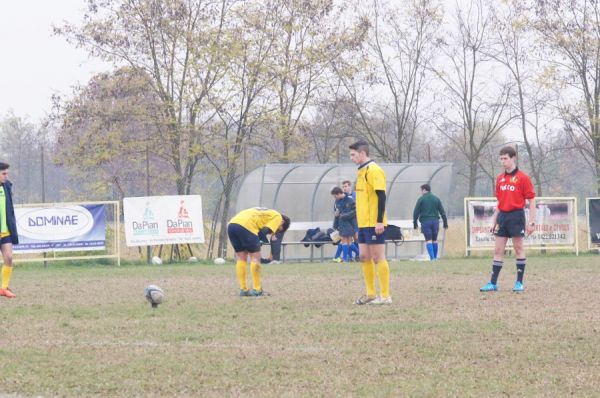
<point>159,220</point>
<point>60,228</point>
<point>554,225</point>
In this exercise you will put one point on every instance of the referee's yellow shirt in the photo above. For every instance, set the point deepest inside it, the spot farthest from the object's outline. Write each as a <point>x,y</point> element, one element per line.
<point>370,178</point>
<point>256,218</point>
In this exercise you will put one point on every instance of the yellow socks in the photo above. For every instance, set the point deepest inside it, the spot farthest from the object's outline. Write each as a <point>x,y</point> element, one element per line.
<point>369,275</point>
<point>255,270</point>
<point>6,272</point>
<point>383,273</point>
<point>240,270</point>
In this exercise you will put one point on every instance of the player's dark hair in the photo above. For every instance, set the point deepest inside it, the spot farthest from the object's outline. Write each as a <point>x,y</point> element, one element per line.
<point>286,223</point>
<point>426,187</point>
<point>336,191</point>
<point>346,182</point>
<point>508,150</point>
<point>360,146</point>
<point>4,166</point>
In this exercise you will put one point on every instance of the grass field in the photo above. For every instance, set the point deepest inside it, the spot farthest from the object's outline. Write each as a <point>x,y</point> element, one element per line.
<point>87,331</point>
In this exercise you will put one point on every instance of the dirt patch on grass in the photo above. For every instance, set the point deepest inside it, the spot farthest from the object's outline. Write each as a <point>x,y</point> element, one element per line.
<point>89,332</point>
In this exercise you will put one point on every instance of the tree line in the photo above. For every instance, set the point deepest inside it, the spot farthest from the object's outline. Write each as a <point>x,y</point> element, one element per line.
<point>203,91</point>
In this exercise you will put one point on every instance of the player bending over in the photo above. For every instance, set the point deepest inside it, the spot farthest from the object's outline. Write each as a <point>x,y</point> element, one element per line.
<point>246,230</point>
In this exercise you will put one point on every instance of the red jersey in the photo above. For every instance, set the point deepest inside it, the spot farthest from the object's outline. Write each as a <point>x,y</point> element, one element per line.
<point>512,189</point>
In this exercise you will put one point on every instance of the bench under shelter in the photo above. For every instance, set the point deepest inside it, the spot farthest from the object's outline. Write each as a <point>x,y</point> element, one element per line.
<point>302,191</point>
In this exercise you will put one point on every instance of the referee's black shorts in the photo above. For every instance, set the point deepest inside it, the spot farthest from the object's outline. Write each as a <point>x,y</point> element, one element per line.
<point>510,224</point>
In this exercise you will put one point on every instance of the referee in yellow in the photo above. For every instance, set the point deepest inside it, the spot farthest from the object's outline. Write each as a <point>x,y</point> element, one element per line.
<point>246,230</point>
<point>372,220</point>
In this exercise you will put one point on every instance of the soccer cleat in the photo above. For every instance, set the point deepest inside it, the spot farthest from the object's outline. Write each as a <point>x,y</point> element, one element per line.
<point>489,287</point>
<point>7,293</point>
<point>337,260</point>
<point>364,300</point>
<point>381,301</point>
<point>245,293</point>
<point>258,293</point>
<point>518,288</point>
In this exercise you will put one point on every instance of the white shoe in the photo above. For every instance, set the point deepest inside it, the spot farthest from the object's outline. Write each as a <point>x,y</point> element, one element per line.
<point>365,300</point>
<point>381,301</point>
<point>275,262</point>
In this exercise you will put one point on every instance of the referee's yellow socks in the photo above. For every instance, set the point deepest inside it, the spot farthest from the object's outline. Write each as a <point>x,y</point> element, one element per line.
<point>240,270</point>
<point>383,272</point>
<point>255,270</point>
<point>6,272</point>
<point>369,275</point>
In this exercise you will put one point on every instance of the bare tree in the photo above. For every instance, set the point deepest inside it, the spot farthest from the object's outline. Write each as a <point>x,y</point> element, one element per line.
<point>179,45</point>
<point>241,103</point>
<point>401,44</point>
<point>572,30</point>
<point>478,107</point>
<point>309,35</point>
<point>514,48</point>
<point>104,125</point>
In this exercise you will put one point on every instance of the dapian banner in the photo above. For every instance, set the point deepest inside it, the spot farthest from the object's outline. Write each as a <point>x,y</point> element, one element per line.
<point>158,220</point>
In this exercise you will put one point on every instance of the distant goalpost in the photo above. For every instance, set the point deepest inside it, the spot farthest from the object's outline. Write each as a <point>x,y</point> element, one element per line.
<point>50,231</point>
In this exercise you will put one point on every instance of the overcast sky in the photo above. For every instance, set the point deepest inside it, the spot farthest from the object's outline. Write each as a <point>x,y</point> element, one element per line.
<point>34,63</point>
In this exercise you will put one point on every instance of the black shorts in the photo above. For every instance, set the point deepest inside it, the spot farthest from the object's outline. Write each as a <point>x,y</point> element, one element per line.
<point>6,239</point>
<point>243,240</point>
<point>510,224</point>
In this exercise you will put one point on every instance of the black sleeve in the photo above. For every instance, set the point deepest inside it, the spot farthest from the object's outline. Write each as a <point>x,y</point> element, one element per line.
<point>262,234</point>
<point>380,205</point>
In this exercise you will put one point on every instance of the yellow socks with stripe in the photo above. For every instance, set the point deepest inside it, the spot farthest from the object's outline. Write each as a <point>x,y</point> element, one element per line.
<point>255,270</point>
<point>383,273</point>
<point>6,272</point>
<point>369,275</point>
<point>240,270</point>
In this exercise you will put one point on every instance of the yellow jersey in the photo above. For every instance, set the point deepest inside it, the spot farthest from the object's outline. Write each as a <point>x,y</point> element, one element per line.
<point>3,225</point>
<point>370,178</point>
<point>257,218</point>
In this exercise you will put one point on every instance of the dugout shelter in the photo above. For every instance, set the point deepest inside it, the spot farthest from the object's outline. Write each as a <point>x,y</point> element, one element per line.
<point>302,191</point>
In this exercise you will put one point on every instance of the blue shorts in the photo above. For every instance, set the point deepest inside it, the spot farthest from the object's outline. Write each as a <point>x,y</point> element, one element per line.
<point>368,236</point>
<point>510,224</point>
<point>6,239</point>
<point>430,229</point>
<point>243,240</point>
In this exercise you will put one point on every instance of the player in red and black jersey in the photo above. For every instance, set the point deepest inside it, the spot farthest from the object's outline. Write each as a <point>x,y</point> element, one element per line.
<point>513,189</point>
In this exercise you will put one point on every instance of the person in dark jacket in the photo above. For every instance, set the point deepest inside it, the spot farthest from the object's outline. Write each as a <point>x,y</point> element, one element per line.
<point>428,211</point>
<point>8,229</point>
<point>275,243</point>
<point>347,188</point>
<point>344,220</point>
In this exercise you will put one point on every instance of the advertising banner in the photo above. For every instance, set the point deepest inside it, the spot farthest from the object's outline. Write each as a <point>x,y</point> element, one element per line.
<point>554,225</point>
<point>160,220</point>
<point>594,220</point>
<point>60,228</point>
